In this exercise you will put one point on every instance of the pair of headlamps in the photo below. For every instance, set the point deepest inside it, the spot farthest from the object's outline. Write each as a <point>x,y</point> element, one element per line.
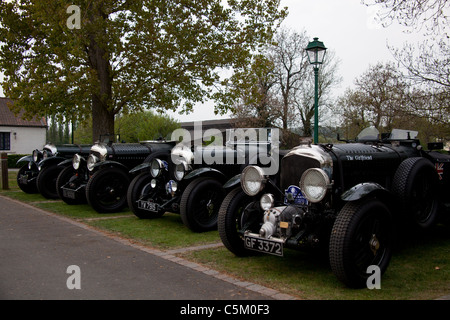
<point>314,184</point>
<point>157,166</point>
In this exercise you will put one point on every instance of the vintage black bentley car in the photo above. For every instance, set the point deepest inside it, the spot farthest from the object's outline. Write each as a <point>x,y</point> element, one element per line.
<point>40,172</point>
<point>190,181</point>
<point>103,178</point>
<point>351,199</point>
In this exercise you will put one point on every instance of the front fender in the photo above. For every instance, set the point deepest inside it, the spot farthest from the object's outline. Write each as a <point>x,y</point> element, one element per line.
<point>140,167</point>
<point>25,158</point>
<point>204,172</point>
<point>65,162</point>
<point>233,181</point>
<point>99,165</point>
<point>363,190</point>
<point>50,161</point>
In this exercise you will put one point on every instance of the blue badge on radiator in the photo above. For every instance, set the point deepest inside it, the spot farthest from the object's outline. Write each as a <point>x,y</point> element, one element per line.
<point>166,165</point>
<point>293,195</point>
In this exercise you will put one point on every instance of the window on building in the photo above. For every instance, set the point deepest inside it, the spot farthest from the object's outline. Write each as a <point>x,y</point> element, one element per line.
<point>5,141</point>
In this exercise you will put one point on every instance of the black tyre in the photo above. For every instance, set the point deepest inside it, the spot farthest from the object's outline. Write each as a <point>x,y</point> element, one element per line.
<point>138,189</point>
<point>65,176</point>
<point>229,221</point>
<point>106,190</point>
<point>46,181</point>
<point>415,184</point>
<point>200,203</point>
<point>26,187</point>
<point>361,237</point>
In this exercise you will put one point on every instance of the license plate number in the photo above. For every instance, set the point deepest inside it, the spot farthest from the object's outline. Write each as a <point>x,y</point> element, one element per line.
<point>148,206</point>
<point>69,194</point>
<point>264,245</point>
<point>24,179</point>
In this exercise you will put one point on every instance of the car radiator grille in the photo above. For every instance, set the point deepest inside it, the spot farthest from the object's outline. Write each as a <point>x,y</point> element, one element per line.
<point>292,168</point>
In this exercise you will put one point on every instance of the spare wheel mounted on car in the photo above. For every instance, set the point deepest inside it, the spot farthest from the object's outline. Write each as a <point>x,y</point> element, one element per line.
<point>415,184</point>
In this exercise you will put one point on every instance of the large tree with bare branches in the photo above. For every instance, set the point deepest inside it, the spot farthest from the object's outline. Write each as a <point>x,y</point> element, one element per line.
<point>283,82</point>
<point>427,64</point>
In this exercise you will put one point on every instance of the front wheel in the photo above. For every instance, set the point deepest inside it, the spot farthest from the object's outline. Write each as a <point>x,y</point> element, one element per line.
<point>68,174</point>
<point>200,203</point>
<point>230,221</point>
<point>46,181</point>
<point>23,180</point>
<point>361,237</point>
<point>138,190</point>
<point>106,191</point>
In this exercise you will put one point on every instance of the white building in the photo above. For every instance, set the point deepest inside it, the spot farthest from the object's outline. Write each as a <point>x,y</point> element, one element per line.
<point>18,136</point>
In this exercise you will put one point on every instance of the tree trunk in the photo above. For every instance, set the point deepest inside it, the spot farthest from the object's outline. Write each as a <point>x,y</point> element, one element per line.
<point>102,109</point>
<point>307,123</point>
<point>99,59</point>
<point>102,121</point>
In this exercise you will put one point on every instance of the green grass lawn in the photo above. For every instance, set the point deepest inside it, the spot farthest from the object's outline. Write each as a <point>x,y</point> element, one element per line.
<point>420,269</point>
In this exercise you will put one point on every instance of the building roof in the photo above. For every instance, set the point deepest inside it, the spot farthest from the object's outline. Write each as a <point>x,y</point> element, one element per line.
<point>7,117</point>
<point>207,124</point>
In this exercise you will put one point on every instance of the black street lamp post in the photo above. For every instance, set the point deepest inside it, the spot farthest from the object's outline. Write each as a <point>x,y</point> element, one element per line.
<point>316,53</point>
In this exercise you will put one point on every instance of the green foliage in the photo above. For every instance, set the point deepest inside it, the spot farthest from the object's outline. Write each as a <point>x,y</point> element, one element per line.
<point>145,126</point>
<point>12,160</point>
<point>133,128</point>
<point>58,133</point>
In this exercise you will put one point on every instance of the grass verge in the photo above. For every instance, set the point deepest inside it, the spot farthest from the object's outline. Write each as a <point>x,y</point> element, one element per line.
<point>419,270</point>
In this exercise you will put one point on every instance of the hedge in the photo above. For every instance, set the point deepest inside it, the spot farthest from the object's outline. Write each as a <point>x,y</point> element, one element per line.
<point>12,160</point>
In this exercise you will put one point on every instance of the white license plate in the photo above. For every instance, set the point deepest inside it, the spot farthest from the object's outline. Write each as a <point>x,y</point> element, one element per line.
<point>23,179</point>
<point>264,245</point>
<point>69,194</point>
<point>148,206</point>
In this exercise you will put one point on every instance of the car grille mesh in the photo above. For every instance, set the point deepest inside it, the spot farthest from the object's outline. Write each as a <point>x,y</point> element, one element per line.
<point>292,168</point>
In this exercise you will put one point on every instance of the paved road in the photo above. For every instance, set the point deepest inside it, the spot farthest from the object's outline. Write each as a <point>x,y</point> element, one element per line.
<point>36,249</point>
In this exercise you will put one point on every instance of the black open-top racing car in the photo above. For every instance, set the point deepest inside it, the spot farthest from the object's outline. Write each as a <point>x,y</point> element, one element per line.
<point>103,178</point>
<point>352,199</point>
<point>190,181</point>
<point>42,168</point>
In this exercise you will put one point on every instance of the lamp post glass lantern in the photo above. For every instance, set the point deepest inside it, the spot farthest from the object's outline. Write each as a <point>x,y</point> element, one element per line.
<point>316,54</point>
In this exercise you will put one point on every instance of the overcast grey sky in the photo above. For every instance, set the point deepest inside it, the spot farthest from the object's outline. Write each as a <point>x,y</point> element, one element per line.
<point>345,26</point>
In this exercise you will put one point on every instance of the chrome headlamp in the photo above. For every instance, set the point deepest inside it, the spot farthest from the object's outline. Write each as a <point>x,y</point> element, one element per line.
<point>91,161</point>
<point>252,180</point>
<point>101,150</point>
<point>180,170</point>
<point>267,201</point>
<point>76,160</point>
<point>46,154</point>
<point>49,150</point>
<point>37,155</point>
<point>156,168</point>
<point>314,184</point>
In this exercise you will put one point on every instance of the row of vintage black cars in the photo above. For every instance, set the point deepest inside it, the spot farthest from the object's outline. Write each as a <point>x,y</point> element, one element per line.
<point>353,199</point>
